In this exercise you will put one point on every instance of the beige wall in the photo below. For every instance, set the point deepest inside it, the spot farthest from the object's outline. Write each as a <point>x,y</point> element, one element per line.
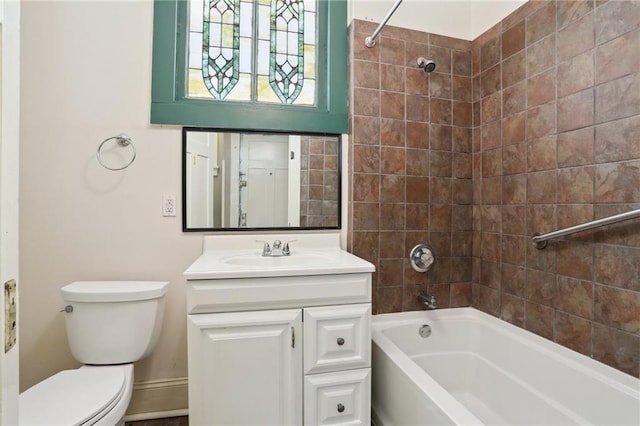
<point>86,76</point>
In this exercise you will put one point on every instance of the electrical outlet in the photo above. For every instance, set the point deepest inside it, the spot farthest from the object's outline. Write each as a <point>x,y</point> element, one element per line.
<point>169,205</point>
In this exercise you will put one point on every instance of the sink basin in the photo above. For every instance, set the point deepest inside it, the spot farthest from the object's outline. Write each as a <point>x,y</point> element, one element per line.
<point>295,259</point>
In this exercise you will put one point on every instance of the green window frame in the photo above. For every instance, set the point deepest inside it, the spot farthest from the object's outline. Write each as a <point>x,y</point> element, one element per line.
<point>169,104</point>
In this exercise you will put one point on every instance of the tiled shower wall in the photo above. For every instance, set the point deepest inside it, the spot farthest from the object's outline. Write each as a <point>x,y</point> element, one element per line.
<point>411,163</point>
<point>557,143</point>
<point>547,135</point>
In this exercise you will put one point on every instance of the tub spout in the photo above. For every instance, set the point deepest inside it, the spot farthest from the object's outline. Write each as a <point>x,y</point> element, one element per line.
<point>427,300</point>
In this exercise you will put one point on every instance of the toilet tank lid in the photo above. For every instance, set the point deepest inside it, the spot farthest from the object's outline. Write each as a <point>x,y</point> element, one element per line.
<point>113,291</point>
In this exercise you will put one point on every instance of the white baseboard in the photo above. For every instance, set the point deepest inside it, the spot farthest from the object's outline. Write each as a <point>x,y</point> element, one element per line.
<point>158,399</point>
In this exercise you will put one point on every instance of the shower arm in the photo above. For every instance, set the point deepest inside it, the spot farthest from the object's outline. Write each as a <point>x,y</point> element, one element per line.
<point>371,40</point>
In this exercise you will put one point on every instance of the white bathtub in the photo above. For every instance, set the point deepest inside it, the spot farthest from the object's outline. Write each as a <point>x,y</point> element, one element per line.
<point>475,369</point>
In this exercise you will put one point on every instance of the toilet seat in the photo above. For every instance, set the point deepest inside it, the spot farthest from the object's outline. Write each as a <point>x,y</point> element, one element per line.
<point>73,397</point>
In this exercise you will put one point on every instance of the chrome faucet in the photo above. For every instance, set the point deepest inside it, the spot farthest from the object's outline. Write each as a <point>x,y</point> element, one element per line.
<point>277,249</point>
<point>427,300</point>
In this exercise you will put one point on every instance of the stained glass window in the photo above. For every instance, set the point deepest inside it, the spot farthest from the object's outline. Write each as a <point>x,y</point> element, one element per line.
<point>253,50</point>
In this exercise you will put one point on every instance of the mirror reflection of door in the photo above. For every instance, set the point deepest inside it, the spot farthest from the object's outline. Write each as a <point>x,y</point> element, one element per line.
<point>265,181</point>
<point>202,169</point>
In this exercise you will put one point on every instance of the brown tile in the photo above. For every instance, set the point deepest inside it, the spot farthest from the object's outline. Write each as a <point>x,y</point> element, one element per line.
<point>450,42</point>
<point>390,272</point>
<point>574,214</point>
<point>490,274</point>
<point>574,296</point>
<point>462,114</point>
<point>541,55</point>
<point>440,85</point>
<point>514,189</point>
<point>512,309</point>
<point>442,57</point>
<point>490,54</point>
<point>616,348</point>
<point>514,69</point>
<point>365,74</point>
<point>417,162</point>
<point>391,132</point>
<point>618,98</point>
<point>440,111</point>
<point>513,39</point>
<point>417,216</point>
<point>491,135</point>
<point>540,287</point>
<point>486,299</point>
<point>618,182</point>
<point>417,81</point>
<point>541,187</point>
<point>361,51</point>
<point>391,50</point>
<point>576,38</point>
<point>617,308</point>
<point>492,190</point>
<point>461,88</point>
<point>541,218</point>
<point>392,105</point>
<point>541,154</point>
<point>413,50</point>
<point>514,220</point>
<point>440,190</point>
<point>392,188</point>
<point>366,130</point>
<point>575,148</point>
<point>514,249</point>
<point>573,332</point>
<point>366,187</point>
<point>541,88</point>
<point>618,140</point>
<point>513,279</point>
<point>541,23</point>
<point>389,299</point>
<point>575,74</point>
<point>491,107</point>
<point>461,218</point>
<point>513,129</point>
<point>417,189</point>
<point>417,135</point>
<point>615,18</point>
<point>410,301</point>
<point>575,259</point>
<point>417,108</point>
<point>440,137</point>
<point>492,162</point>
<point>440,218</point>
<point>575,111</point>
<point>491,217</point>
<point>366,102</point>
<point>541,121</point>
<point>392,217</point>
<point>570,10</point>
<point>514,159</point>
<point>365,245</point>
<point>618,57</point>
<point>576,185</point>
<point>366,159</point>
<point>514,99</point>
<point>365,216</point>
<point>461,62</point>
<point>539,319</point>
<point>391,245</point>
<point>462,167</point>
<point>623,233</point>
<point>392,78</point>
<point>617,266</point>
<point>441,163</point>
<point>460,295</point>
<point>490,81</point>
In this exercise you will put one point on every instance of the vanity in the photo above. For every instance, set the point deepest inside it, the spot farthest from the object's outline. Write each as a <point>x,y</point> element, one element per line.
<point>278,339</point>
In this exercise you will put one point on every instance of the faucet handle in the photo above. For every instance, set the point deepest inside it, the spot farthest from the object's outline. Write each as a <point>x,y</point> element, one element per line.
<point>277,244</point>
<point>286,250</point>
<point>266,249</point>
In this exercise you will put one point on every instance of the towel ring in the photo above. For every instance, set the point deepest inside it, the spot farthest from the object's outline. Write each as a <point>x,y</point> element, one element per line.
<point>124,140</point>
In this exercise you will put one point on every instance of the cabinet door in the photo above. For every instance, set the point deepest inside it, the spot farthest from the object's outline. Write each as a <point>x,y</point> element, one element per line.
<point>245,368</point>
<point>337,338</point>
<point>340,398</point>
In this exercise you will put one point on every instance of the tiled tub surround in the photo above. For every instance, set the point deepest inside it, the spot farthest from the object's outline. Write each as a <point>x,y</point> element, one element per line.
<point>555,141</point>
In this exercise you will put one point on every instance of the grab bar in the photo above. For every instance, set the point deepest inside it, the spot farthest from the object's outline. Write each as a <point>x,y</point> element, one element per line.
<point>540,240</point>
<point>370,41</point>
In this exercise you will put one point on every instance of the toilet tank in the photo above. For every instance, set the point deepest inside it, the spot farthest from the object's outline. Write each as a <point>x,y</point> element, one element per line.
<point>113,322</point>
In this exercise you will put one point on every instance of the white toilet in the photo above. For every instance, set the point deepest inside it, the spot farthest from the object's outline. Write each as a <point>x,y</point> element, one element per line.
<point>110,325</point>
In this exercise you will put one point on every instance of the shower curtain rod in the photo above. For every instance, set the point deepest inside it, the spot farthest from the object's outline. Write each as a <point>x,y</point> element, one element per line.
<point>371,40</point>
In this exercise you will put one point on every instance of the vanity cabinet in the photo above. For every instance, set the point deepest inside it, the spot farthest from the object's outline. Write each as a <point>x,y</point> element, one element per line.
<point>280,340</point>
<point>302,362</point>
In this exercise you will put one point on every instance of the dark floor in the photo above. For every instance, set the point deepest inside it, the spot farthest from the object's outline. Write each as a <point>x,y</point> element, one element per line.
<point>169,421</point>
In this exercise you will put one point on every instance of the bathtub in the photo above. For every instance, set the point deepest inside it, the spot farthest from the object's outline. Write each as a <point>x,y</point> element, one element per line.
<point>474,369</point>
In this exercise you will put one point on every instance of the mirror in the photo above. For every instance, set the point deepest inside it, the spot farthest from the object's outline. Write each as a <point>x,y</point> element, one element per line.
<point>259,180</point>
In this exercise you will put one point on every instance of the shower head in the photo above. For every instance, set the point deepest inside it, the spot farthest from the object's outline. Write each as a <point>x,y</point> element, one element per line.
<point>426,64</point>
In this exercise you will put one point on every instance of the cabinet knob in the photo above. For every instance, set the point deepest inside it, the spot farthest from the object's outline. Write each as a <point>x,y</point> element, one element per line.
<point>340,408</point>
<point>340,341</point>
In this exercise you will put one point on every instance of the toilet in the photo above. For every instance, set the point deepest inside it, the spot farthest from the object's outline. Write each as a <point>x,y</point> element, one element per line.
<point>110,325</point>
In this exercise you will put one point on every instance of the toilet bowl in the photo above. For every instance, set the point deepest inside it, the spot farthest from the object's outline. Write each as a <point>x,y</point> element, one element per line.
<point>110,325</point>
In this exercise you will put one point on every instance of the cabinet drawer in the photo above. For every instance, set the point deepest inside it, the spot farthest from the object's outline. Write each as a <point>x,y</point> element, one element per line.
<point>338,398</point>
<point>337,338</point>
